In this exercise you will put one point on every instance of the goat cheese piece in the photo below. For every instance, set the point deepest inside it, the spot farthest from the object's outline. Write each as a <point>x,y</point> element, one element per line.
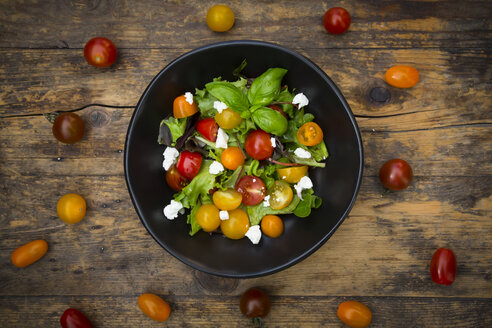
<point>172,210</point>
<point>189,98</point>
<point>300,100</point>
<point>266,201</point>
<point>170,156</point>
<point>224,215</point>
<point>222,139</point>
<point>219,106</point>
<point>254,234</point>
<point>272,140</point>
<point>302,153</point>
<point>304,183</point>
<point>216,168</point>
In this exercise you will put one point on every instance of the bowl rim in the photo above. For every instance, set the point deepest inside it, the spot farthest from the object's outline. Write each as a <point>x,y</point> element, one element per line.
<point>339,95</point>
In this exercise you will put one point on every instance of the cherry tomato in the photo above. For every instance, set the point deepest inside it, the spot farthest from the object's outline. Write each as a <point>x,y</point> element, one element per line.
<point>252,188</point>
<point>280,195</point>
<point>182,108</point>
<point>154,307</point>
<point>354,314</point>
<point>310,134</point>
<point>189,164</point>
<point>29,253</point>
<point>175,180</point>
<point>100,52</point>
<point>207,128</point>
<point>68,128</point>
<point>207,217</point>
<point>336,20</point>
<point>227,200</point>
<point>228,119</point>
<point>292,174</point>
<point>402,76</point>
<point>255,303</point>
<point>73,318</point>
<point>443,266</point>
<point>258,145</point>
<point>278,109</point>
<point>232,158</point>
<point>220,18</point>
<point>236,226</point>
<point>71,208</point>
<point>272,226</point>
<point>396,174</point>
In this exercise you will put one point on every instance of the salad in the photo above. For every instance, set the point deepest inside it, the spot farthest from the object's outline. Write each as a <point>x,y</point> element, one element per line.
<point>238,155</point>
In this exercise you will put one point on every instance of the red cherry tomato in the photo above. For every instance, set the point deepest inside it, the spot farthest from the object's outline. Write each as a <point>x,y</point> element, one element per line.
<point>396,174</point>
<point>336,20</point>
<point>175,180</point>
<point>443,266</point>
<point>73,318</point>
<point>208,128</point>
<point>258,145</point>
<point>255,303</point>
<point>252,188</point>
<point>100,52</point>
<point>402,76</point>
<point>68,128</point>
<point>189,164</point>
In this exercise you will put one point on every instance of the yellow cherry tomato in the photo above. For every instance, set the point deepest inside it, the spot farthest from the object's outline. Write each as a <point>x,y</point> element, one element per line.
<point>402,76</point>
<point>310,134</point>
<point>208,217</point>
<point>228,119</point>
<point>281,195</point>
<point>237,225</point>
<point>272,226</point>
<point>71,208</point>
<point>182,108</point>
<point>220,18</point>
<point>29,253</point>
<point>232,158</point>
<point>154,307</point>
<point>292,174</point>
<point>354,314</point>
<point>227,200</point>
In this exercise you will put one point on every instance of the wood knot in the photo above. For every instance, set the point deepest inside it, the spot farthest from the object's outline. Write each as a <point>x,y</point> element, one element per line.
<point>380,95</point>
<point>215,284</point>
<point>98,118</point>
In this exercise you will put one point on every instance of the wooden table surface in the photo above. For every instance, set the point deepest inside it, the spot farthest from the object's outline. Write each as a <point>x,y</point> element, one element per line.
<point>381,253</point>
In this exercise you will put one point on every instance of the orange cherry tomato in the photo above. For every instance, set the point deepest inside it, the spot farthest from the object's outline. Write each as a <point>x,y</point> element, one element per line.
<point>154,307</point>
<point>310,134</point>
<point>29,253</point>
<point>227,200</point>
<point>402,76</point>
<point>237,225</point>
<point>182,108</point>
<point>232,158</point>
<point>71,208</point>
<point>292,174</point>
<point>272,226</point>
<point>354,314</point>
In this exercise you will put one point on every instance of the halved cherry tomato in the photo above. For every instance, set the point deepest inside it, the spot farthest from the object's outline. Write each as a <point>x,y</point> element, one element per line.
<point>310,134</point>
<point>236,226</point>
<point>207,217</point>
<point>272,226</point>
<point>443,266</point>
<point>29,253</point>
<point>189,164</point>
<point>396,174</point>
<point>281,195</point>
<point>100,52</point>
<point>292,174</point>
<point>71,208</point>
<point>252,188</point>
<point>227,200</point>
<point>258,145</point>
<point>402,76</point>
<point>232,158</point>
<point>220,18</point>
<point>278,109</point>
<point>174,179</point>
<point>228,119</point>
<point>354,314</point>
<point>182,108</point>
<point>73,318</point>
<point>154,307</point>
<point>336,20</point>
<point>207,128</point>
<point>68,128</point>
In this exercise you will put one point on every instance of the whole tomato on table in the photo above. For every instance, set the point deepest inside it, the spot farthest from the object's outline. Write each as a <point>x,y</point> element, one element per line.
<point>68,127</point>
<point>396,174</point>
<point>402,76</point>
<point>255,304</point>
<point>354,314</point>
<point>73,318</point>
<point>443,266</point>
<point>71,208</point>
<point>336,20</point>
<point>154,307</point>
<point>100,52</point>
<point>29,253</point>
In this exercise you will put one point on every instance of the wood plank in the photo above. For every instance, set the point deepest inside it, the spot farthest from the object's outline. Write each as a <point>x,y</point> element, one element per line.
<point>158,24</point>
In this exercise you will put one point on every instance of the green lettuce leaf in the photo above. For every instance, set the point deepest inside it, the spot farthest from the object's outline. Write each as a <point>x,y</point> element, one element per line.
<point>177,126</point>
<point>257,212</point>
<point>309,201</point>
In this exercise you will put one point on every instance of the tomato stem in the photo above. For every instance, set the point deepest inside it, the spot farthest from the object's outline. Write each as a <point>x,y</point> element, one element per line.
<point>284,102</point>
<point>239,176</point>
<point>258,322</point>
<point>283,164</point>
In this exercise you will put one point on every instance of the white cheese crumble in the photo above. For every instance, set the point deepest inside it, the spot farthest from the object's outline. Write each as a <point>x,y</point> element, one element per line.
<point>222,139</point>
<point>189,98</point>
<point>219,106</point>
<point>266,201</point>
<point>170,155</point>
<point>224,215</point>
<point>304,183</point>
<point>216,168</point>
<point>254,234</point>
<point>272,140</point>
<point>302,153</point>
<point>172,210</point>
<point>300,100</point>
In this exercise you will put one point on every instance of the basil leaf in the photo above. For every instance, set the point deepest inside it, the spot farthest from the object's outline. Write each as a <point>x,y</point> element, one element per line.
<point>270,121</point>
<point>266,86</point>
<point>229,94</point>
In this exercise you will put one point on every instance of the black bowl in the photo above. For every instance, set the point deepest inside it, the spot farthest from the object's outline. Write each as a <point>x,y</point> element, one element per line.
<point>337,184</point>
